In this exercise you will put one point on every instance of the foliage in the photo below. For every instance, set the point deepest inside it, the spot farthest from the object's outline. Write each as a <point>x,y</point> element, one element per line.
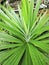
<point>26,40</point>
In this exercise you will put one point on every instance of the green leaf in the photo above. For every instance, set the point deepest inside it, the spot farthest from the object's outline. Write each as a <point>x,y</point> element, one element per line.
<point>37,57</point>
<point>43,46</point>
<point>5,37</point>
<point>34,57</point>
<point>6,45</point>
<point>27,58</point>
<point>18,54</point>
<point>43,36</point>
<point>36,11</point>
